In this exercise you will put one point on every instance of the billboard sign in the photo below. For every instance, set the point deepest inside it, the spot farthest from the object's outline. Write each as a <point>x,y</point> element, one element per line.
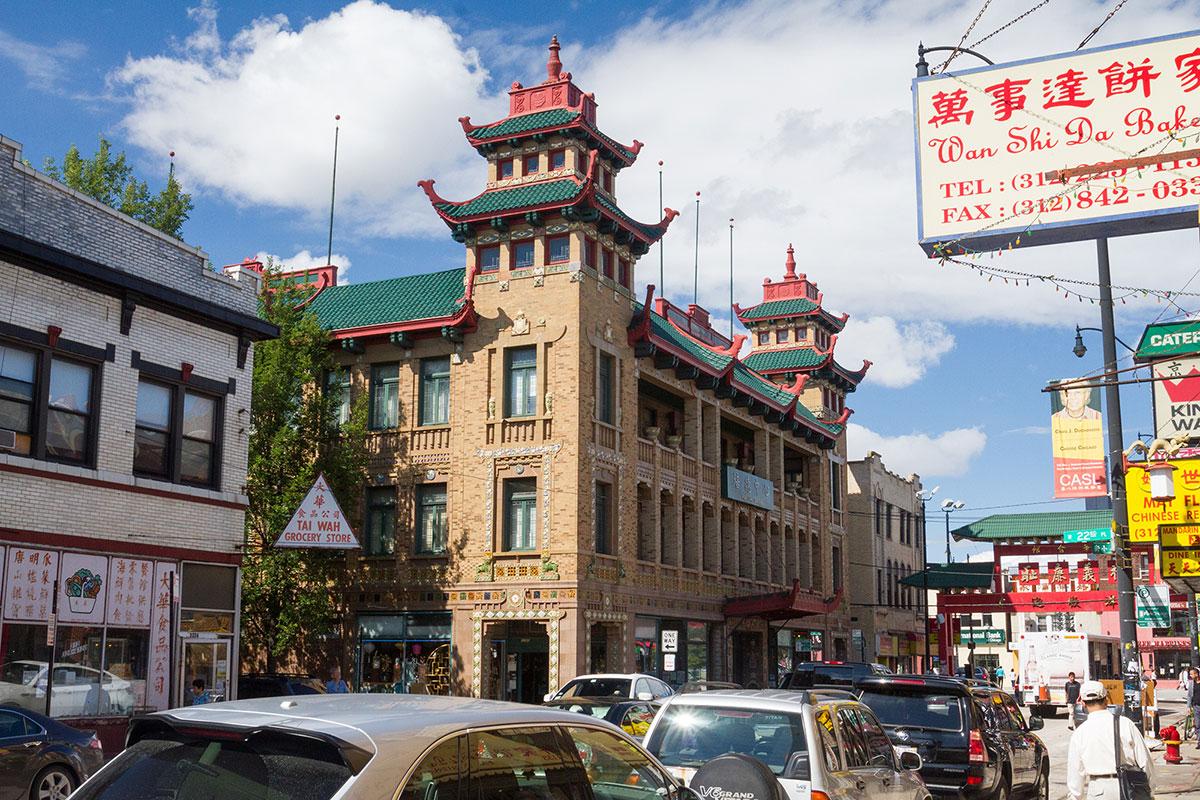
<point>1169,340</point>
<point>1145,514</point>
<point>1077,443</point>
<point>1177,398</point>
<point>318,522</point>
<point>987,136</point>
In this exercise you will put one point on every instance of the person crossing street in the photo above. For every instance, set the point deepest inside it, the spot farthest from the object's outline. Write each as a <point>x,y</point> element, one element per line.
<point>1091,761</point>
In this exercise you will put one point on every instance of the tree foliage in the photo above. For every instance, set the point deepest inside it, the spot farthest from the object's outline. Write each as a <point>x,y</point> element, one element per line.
<point>287,594</point>
<point>109,178</point>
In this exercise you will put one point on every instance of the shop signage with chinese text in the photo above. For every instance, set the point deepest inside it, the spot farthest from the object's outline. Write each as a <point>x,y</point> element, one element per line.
<point>318,522</point>
<point>986,138</point>
<point>1146,514</point>
<point>746,487</point>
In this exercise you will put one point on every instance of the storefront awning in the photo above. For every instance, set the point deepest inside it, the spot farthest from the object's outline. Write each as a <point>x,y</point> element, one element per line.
<point>796,602</point>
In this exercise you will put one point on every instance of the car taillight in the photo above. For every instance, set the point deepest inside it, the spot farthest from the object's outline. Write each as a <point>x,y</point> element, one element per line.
<point>975,750</point>
<point>94,743</point>
<point>817,795</point>
<point>974,780</point>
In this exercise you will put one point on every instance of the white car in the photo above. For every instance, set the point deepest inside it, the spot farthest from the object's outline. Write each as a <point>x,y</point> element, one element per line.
<point>633,685</point>
<point>78,691</point>
<point>820,744</point>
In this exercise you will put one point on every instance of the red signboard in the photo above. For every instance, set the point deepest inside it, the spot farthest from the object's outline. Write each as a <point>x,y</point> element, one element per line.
<point>1029,575</point>
<point>1059,573</point>
<point>1088,575</point>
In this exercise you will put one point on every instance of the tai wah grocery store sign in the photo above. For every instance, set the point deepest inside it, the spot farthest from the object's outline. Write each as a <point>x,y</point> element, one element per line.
<point>318,522</point>
<point>991,140</point>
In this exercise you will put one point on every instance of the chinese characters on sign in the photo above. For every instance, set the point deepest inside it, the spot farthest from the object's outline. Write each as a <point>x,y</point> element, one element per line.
<point>1029,575</point>
<point>29,582</point>
<point>318,522</point>
<point>1059,574</point>
<point>986,137</point>
<point>132,593</point>
<point>746,487</point>
<point>1145,514</point>
<point>1177,398</point>
<point>1077,443</point>
<point>1089,574</point>
<point>157,680</point>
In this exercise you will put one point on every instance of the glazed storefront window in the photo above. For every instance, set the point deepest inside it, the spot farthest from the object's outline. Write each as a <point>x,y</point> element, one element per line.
<point>404,653</point>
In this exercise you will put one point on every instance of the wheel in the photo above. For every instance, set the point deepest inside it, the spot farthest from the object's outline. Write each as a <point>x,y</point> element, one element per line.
<point>1041,789</point>
<point>1004,788</point>
<point>52,783</point>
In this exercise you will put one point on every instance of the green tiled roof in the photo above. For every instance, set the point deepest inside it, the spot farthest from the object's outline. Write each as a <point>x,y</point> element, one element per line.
<point>412,297</point>
<point>665,330</point>
<point>794,358</point>
<point>514,197</point>
<point>526,122</point>
<point>965,575</point>
<point>1044,525</point>
<point>780,308</point>
<point>752,380</point>
<point>651,232</point>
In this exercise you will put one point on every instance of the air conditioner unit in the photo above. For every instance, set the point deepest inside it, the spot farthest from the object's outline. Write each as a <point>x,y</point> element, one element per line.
<point>8,440</point>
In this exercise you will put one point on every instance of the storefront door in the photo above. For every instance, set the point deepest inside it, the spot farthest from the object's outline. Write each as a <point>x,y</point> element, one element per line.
<point>206,660</point>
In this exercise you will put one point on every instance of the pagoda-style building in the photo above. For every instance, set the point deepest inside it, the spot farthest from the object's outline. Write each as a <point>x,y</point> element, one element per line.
<point>792,337</point>
<point>568,476</point>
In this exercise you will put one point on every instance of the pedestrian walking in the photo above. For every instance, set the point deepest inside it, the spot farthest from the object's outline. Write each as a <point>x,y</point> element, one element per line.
<point>1185,683</point>
<point>1194,701</point>
<point>1000,677</point>
<point>1092,757</point>
<point>1072,687</point>
<point>335,684</point>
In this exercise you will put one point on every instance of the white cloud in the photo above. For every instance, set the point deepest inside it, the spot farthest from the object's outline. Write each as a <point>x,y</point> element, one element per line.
<point>304,259</point>
<point>44,67</point>
<point>948,454</point>
<point>900,354</point>
<point>1030,430</point>
<point>252,116</point>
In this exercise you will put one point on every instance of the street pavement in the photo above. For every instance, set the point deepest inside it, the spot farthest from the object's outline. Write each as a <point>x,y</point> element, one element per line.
<point>1171,780</point>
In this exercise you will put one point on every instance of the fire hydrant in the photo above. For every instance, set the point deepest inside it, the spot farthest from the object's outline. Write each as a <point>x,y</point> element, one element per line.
<point>1170,737</point>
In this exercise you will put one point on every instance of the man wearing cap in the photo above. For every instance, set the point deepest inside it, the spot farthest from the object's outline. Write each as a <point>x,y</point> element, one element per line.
<point>1091,763</point>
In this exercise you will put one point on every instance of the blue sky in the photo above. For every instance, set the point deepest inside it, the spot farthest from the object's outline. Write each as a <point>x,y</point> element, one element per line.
<point>793,118</point>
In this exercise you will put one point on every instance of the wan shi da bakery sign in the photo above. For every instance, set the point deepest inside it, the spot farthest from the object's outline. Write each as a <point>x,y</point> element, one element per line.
<point>991,140</point>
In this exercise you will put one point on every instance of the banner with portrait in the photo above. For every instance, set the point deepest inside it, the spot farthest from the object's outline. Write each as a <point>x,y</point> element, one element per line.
<point>1077,442</point>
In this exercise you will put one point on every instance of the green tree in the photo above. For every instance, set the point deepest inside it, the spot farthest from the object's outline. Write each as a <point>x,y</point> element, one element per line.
<point>109,178</point>
<point>288,594</point>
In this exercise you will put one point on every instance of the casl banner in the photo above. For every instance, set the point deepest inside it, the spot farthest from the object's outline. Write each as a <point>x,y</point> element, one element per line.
<point>1077,443</point>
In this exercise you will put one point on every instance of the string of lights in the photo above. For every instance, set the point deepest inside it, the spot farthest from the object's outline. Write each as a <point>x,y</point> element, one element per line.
<point>954,53</point>
<point>1103,22</point>
<point>1010,23</point>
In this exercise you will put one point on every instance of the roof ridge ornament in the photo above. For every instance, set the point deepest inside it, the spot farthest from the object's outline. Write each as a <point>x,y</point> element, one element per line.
<point>553,64</point>
<point>790,265</point>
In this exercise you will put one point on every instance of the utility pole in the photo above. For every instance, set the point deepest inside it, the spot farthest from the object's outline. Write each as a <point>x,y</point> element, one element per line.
<point>1121,555</point>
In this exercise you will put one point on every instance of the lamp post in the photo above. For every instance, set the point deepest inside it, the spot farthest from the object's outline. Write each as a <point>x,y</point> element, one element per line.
<point>925,495</point>
<point>949,506</point>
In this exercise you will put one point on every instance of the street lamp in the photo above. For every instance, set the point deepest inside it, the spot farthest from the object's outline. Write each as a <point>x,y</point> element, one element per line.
<point>924,496</point>
<point>1080,349</point>
<point>948,506</point>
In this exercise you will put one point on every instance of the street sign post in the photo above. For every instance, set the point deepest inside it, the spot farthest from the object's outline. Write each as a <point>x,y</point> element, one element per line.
<point>1088,535</point>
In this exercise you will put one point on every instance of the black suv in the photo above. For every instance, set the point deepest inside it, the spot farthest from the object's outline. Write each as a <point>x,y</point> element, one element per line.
<point>277,684</point>
<point>973,740</point>
<point>830,674</point>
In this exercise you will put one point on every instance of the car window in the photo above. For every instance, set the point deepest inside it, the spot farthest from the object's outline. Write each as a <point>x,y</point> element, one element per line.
<point>12,726</point>
<point>1014,713</point>
<point>854,744</point>
<point>690,736</point>
<point>829,745</point>
<point>660,690</point>
<point>438,775</point>
<point>592,709</point>
<point>879,747</point>
<point>597,687</point>
<point>995,715</point>
<point>940,712</point>
<point>616,769</point>
<point>641,687</point>
<point>523,764</point>
<point>637,719</point>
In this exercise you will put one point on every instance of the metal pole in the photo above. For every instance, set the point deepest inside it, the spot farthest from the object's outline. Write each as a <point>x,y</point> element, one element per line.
<point>696,266</point>
<point>333,189</point>
<point>1193,628</point>
<point>1112,402</point>
<point>173,635</point>
<point>732,315</point>
<point>53,646</point>
<point>925,586</point>
<point>660,239</point>
<point>947,537</point>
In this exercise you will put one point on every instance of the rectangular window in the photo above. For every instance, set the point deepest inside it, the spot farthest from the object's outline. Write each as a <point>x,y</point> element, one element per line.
<point>835,485</point>
<point>559,248</point>
<point>781,335</point>
<point>558,159</point>
<point>521,369</point>
<point>623,272</point>
<point>489,258</point>
<point>878,516</point>
<point>603,518</point>
<point>589,254</point>
<point>522,255</point>
<point>888,519</point>
<point>63,401</point>
<point>607,180</point>
<point>431,518</point>
<point>605,388</point>
<point>764,337</point>
<point>504,169</point>
<point>18,376</point>
<point>801,333</point>
<point>435,391</point>
<point>836,553</point>
<point>381,521</point>
<point>532,164</point>
<point>337,388</point>
<point>520,518</point>
<point>175,434</point>
<point>69,411</point>
<point>606,260</point>
<point>385,396</point>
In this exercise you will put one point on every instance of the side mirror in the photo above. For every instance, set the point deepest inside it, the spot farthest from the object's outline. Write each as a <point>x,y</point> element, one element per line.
<point>797,768</point>
<point>548,698</point>
<point>644,696</point>
<point>1036,723</point>
<point>910,760</point>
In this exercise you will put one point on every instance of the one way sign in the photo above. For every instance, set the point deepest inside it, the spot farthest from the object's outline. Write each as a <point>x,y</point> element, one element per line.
<point>318,522</point>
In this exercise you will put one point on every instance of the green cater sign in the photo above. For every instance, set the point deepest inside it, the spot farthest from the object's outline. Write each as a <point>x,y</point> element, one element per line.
<point>1088,535</point>
<point>1169,339</point>
<point>746,487</point>
<point>982,636</point>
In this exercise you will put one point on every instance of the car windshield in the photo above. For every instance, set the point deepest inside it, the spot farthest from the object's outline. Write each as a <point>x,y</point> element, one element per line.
<point>597,687</point>
<point>23,672</point>
<point>939,712</point>
<point>263,767</point>
<point>591,708</point>
<point>690,736</point>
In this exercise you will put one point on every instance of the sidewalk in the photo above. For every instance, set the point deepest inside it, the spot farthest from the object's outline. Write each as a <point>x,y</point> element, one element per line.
<point>1176,779</point>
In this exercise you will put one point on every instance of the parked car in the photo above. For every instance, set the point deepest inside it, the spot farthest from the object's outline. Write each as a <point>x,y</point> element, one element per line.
<point>633,685</point>
<point>632,716</point>
<point>707,686</point>
<point>827,674</point>
<point>277,684</point>
<point>368,746</point>
<point>78,691</point>
<point>41,758</point>
<point>973,741</point>
<point>813,741</point>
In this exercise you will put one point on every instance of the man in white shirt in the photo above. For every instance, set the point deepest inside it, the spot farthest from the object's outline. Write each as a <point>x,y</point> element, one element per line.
<point>1090,758</point>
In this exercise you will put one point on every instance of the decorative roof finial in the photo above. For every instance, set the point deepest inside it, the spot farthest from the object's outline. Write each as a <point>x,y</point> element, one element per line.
<point>790,264</point>
<point>553,65</point>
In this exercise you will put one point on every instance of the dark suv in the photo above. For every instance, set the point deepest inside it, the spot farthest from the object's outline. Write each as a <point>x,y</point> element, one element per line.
<point>973,740</point>
<point>277,684</point>
<point>830,674</point>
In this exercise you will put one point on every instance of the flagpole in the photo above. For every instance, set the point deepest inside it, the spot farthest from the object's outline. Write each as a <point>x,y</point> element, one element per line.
<point>696,267</point>
<point>333,187</point>
<point>731,314</point>
<point>660,239</point>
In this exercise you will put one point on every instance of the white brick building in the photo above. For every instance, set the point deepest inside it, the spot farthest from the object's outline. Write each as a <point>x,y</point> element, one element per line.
<point>125,377</point>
